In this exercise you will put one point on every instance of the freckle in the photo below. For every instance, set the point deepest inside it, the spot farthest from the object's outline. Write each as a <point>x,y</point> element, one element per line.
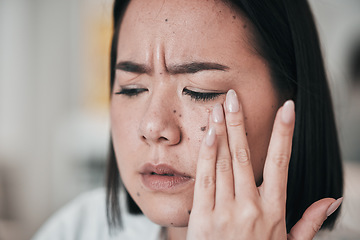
<point>244,26</point>
<point>188,138</point>
<point>166,20</point>
<point>203,128</point>
<point>174,111</point>
<point>180,115</point>
<point>189,211</point>
<point>245,118</point>
<point>234,17</point>
<point>138,194</point>
<point>172,223</point>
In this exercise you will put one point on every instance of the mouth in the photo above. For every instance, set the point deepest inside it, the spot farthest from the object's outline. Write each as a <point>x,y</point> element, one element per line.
<point>163,177</point>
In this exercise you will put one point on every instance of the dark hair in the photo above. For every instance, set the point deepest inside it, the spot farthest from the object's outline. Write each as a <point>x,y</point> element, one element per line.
<point>286,37</point>
<point>354,62</point>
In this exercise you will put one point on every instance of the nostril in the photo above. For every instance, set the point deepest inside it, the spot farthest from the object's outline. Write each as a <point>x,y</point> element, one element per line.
<point>163,138</point>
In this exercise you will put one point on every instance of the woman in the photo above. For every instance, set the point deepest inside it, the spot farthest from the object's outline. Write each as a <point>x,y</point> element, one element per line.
<point>203,102</point>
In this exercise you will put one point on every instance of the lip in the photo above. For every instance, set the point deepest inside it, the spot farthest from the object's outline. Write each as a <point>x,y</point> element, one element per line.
<point>164,178</point>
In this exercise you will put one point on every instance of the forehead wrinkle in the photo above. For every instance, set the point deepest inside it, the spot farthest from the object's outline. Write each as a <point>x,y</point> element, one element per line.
<point>158,58</point>
<point>163,39</point>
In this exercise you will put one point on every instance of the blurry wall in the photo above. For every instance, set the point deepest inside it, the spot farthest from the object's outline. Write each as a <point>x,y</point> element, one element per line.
<point>339,28</point>
<point>54,125</point>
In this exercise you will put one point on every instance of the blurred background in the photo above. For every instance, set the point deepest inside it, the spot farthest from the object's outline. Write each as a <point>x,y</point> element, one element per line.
<point>54,121</point>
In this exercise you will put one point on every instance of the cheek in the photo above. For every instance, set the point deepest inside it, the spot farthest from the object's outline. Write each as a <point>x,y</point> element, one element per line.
<point>194,124</point>
<point>259,124</point>
<point>195,128</point>
<point>124,125</point>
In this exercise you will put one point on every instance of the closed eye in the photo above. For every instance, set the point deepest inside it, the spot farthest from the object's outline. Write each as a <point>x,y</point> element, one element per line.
<point>131,92</point>
<point>201,96</point>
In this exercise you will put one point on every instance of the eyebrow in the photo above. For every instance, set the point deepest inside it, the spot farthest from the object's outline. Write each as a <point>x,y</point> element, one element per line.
<point>192,67</point>
<point>129,66</point>
<point>195,67</point>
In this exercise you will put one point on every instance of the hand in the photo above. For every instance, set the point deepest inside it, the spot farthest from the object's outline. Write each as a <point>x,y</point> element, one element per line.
<point>227,203</point>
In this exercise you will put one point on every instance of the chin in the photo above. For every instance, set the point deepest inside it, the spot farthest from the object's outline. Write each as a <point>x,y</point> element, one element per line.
<point>167,211</point>
<point>167,216</point>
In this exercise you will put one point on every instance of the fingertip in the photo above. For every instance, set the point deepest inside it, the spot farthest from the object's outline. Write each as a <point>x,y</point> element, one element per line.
<point>334,206</point>
<point>232,103</point>
<point>288,112</point>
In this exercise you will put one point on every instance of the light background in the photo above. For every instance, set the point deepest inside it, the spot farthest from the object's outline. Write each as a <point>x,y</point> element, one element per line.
<point>54,124</point>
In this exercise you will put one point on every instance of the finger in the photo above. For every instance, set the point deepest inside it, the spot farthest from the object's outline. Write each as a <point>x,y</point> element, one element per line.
<point>244,180</point>
<point>311,221</point>
<point>224,175</point>
<point>278,157</point>
<point>204,192</point>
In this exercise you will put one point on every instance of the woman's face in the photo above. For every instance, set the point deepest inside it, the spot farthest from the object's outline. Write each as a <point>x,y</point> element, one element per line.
<point>175,60</point>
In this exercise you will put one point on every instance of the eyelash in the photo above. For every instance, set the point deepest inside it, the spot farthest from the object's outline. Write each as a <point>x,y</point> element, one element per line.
<point>131,92</point>
<point>197,96</point>
<point>201,96</point>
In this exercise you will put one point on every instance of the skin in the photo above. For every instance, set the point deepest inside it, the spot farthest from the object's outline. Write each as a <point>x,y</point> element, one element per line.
<point>163,125</point>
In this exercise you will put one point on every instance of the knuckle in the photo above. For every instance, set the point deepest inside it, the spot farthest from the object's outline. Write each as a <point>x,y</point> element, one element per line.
<point>316,226</point>
<point>251,212</point>
<point>207,158</point>
<point>242,156</point>
<point>207,181</point>
<point>236,123</point>
<point>281,160</point>
<point>223,165</point>
<point>284,131</point>
<point>223,219</point>
<point>277,217</point>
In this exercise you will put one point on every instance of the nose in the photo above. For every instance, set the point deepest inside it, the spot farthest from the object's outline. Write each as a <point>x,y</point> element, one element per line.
<point>160,123</point>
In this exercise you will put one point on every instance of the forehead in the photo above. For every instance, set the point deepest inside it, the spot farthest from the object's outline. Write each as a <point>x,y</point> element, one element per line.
<point>182,27</point>
<point>192,10</point>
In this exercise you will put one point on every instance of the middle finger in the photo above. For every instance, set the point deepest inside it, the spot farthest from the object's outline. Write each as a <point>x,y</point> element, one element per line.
<point>224,174</point>
<point>244,179</point>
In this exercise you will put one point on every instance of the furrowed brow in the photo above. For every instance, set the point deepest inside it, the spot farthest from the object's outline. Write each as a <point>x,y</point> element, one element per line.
<point>133,67</point>
<point>195,67</point>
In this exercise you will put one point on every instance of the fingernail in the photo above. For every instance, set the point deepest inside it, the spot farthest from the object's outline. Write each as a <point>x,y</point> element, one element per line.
<point>210,137</point>
<point>232,102</point>
<point>288,112</point>
<point>218,113</point>
<point>335,205</point>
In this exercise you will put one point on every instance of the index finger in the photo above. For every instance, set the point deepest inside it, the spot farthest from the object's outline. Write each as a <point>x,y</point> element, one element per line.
<point>279,152</point>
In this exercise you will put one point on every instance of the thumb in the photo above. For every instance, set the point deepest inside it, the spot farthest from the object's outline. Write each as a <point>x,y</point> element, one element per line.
<point>312,219</point>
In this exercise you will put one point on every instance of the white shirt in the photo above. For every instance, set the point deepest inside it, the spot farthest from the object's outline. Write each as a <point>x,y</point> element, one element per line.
<point>84,218</point>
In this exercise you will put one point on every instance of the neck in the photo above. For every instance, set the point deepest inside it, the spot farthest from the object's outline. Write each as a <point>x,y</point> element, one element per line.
<point>176,233</point>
